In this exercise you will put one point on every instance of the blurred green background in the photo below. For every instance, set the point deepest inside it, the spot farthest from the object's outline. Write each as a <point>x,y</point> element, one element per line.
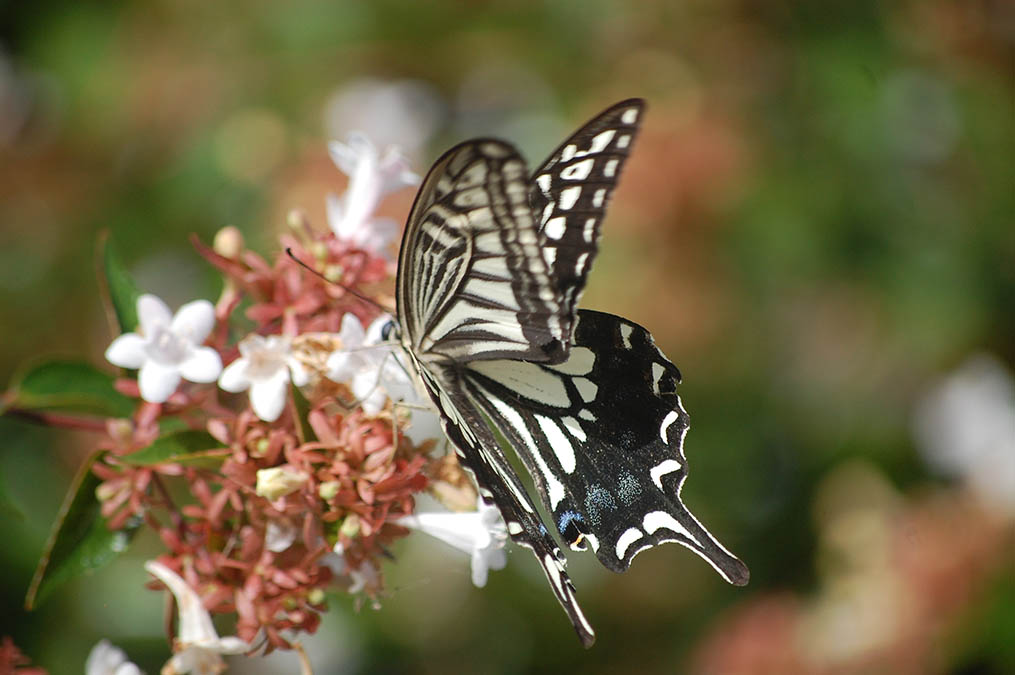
<point>816,224</point>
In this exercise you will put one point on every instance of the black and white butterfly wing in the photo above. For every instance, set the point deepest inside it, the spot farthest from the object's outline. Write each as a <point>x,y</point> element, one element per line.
<point>472,280</point>
<point>602,436</point>
<point>570,191</point>
<point>473,285</point>
<point>480,453</point>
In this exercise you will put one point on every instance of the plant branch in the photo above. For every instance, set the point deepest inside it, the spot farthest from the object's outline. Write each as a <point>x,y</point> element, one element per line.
<point>51,419</point>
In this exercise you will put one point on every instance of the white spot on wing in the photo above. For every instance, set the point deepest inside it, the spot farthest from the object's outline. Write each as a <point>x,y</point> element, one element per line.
<point>587,415</point>
<point>547,212</point>
<point>514,528</point>
<point>472,198</point>
<point>657,519</point>
<point>586,388</point>
<point>496,292</point>
<point>579,264</point>
<point>574,428</point>
<point>590,229</point>
<point>580,361</point>
<point>630,116</point>
<point>578,170</point>
<point>625,334</point>
<point>554,227</point>
<point>599,197</point>
<point>562,447</point>
<point>554,488</point>
<point>489,243</point>
<point>493,267</point>
<point>626,539</point>
<point>525,379</point>
<point>494,149</point>
<point>601,140</point>
<point>661,469</point>
<point>623,141</point>
<point>543,181</point>
<point>473,176</point>
<point>664,428</point>
<point>611,168</point>
<point>568,197</point>
<point>657,373</point>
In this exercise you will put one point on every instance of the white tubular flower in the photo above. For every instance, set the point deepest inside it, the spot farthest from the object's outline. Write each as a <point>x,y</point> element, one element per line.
<point>265,367</point>
<point>167,347</point>
<point>371,177</point>
<point>279,481</point>
<point>480,533</point>
<point>198,648</point>
<point>108,659</point>
<point>375,372</point>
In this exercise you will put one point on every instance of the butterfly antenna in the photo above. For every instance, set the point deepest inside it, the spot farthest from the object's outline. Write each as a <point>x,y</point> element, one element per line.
<point>347,289</point>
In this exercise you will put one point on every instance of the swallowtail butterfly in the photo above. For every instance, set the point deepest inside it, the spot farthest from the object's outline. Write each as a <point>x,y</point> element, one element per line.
<point>492,264</point>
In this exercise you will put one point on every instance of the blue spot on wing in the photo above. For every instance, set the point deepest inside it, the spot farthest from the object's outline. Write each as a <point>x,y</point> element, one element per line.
<point>566,518</point>
<point>628,488</point>
<point>598,500</point>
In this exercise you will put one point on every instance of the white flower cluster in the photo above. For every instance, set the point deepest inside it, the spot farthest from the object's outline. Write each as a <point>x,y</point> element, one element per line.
<point>167,348</point>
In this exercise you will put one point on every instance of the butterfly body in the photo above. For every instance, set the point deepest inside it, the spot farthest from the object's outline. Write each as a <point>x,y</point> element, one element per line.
<point>492,265</point>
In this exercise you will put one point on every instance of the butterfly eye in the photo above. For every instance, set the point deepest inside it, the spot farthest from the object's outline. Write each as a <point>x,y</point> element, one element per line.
<point>389,330</point>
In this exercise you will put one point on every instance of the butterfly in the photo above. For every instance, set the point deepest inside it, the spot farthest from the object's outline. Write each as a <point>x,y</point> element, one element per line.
<point>492,264</point>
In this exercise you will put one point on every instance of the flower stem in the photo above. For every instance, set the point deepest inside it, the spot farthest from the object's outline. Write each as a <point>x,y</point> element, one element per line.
<point>51,419</point>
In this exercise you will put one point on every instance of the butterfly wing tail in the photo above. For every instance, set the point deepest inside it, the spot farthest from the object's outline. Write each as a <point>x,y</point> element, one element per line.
<point>479,452</point>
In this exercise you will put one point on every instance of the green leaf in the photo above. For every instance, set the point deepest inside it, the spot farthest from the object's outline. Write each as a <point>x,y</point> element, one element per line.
<point>80,541</point>
<point>123,292</point>
<point>182,446</point>
<point>170,425</point>
<point>68,386</point>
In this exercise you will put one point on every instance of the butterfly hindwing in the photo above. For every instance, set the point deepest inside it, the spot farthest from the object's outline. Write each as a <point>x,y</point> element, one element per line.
<point>479,452</point>
<point>602,435</point>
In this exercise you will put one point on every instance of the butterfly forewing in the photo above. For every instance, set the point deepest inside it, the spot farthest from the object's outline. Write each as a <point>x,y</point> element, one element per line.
<point>472,281</point>
<point>569,194</point>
